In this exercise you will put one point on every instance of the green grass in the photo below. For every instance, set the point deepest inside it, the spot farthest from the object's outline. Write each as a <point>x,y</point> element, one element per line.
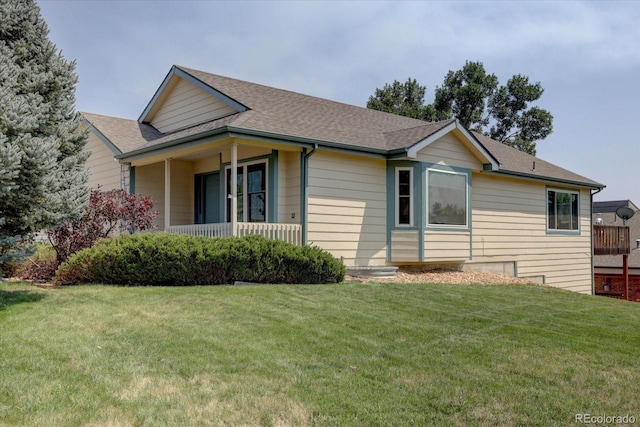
<point>349,354</point>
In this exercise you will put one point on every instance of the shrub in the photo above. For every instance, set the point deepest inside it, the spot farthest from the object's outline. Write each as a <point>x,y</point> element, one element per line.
<point>39,266</point>
<point>164,259</point>
<point>106,213</point>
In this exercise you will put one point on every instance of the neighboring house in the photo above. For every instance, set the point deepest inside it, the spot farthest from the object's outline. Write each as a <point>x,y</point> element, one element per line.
<point>222,156</point>
<point>608,269</point>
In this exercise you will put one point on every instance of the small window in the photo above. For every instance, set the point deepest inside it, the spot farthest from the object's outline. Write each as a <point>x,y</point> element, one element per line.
<point>447,199</point>
<point>404,203</point>
<point>562,210</point>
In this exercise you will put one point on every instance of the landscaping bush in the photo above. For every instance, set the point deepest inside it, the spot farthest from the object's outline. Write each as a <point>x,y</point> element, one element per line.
<point>40,265</point>
<point>107,212</point>
<point>164,259</point>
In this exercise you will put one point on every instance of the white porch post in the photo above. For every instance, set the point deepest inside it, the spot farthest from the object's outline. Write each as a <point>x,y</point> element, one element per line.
<point>167,194</point>
<point>234,189</point>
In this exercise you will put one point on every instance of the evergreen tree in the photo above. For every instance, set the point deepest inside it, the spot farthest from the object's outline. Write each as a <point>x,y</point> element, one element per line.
<point>42,174</point>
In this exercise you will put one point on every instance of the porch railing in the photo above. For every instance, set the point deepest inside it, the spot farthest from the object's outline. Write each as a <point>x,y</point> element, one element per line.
<point>291,233</point>
<point>611,240</point>
<point>207,230</point>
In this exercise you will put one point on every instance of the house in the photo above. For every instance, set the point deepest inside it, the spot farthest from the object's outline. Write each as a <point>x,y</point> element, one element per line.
<point>222,156</point>
<point>609,269</point>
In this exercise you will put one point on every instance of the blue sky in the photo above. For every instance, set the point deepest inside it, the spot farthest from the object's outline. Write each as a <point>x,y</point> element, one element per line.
<point>585,54</point>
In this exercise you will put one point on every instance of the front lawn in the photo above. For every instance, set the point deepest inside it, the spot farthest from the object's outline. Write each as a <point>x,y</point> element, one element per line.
<point>348,354</point>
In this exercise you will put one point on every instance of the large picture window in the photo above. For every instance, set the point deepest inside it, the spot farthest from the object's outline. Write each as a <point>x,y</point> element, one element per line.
<point>562,210</point>
<point>251,191</point>
<point>447,198</point>
<point>404,202</point>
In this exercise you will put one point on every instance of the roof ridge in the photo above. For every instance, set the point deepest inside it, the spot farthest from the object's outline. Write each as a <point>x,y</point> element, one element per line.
<point>425,123</point>
<point>298,94</point>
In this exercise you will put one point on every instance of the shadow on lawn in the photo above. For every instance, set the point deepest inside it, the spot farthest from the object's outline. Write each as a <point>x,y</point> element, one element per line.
<point>9,298</point>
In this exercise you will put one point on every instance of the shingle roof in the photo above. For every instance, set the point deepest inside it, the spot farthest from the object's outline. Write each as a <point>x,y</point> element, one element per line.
<point>286,114</point>
<point>400,138</point>
<point>516,162</point>
<point>612,205</point>
<point>126,135</point>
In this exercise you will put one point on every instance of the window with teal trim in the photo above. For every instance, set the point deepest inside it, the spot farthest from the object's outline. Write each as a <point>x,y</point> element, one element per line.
<point>447,201</point>
<point>404,201</point>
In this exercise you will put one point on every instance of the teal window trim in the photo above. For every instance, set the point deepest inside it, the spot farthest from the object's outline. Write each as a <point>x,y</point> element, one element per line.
<point>468,227</point>
<point>399,196</point>
<point>562,232</point>
<point>416,202</point>
<point>419,205</point>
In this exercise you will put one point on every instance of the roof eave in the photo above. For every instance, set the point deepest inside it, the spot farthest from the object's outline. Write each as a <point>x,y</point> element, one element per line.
<point>552,180</point>
<point>102,137</point>
<point>153,149</point>
<point>236,132</point>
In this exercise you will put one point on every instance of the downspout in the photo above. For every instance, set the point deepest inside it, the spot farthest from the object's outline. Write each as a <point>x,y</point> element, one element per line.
<point>593,269</point>
<point>303,195</point>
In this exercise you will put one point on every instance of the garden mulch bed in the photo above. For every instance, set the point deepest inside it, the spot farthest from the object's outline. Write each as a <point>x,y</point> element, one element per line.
<point>446,277</point>
<point>440,276</point>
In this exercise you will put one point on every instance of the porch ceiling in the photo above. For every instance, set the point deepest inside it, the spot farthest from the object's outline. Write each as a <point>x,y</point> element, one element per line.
<point>202,150</point>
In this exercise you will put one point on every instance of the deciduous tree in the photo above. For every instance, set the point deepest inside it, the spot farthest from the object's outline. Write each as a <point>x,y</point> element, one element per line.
<point>477,100</point>
<point>405,99</point>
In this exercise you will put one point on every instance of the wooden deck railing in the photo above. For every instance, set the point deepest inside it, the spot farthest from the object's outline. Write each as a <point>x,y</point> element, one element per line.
<point>611,240</point>
<point>291,233</point>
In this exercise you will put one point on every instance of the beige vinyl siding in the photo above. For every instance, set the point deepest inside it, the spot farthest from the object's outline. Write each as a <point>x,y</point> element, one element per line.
<point>187,105</point>
<point>150,181</point>
<point>449,151</point>
<point>288,187</point>
<point>181,192</point>
<point>347,207</point>
<point>103,169</point>
<point>404,246</point>
<point>447,246</point>
<point>207,164</point>
<point>510,224</point>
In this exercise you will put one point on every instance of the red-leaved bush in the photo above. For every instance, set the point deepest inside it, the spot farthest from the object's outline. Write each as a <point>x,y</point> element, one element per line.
<point>107,212</point>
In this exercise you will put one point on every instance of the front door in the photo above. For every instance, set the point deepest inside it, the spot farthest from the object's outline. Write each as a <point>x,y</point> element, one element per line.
<point>207,198</point>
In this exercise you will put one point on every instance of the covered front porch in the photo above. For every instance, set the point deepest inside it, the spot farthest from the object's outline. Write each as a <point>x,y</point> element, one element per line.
<point>227,187</point>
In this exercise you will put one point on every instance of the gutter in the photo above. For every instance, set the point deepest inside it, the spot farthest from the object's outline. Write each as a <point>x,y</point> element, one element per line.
<point>593,268</point>
<point>232,131</point>
<point>303,193</point>
<point>172,143</point>
<point>592,186</point>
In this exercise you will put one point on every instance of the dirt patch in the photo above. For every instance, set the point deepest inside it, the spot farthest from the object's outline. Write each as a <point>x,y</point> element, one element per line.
<point>447,277</point>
